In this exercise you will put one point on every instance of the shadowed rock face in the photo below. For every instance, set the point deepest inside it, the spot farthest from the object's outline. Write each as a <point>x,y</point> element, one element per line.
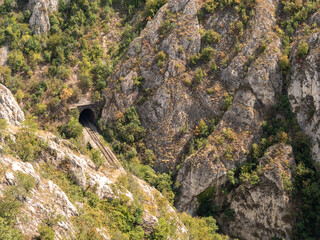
<point>209,166</point>
<point>264,210</point>
<point>304,88</point>
<point>9,108</point>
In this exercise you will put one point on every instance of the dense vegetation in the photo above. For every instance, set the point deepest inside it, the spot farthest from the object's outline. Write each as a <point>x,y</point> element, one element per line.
<point>72,47</point>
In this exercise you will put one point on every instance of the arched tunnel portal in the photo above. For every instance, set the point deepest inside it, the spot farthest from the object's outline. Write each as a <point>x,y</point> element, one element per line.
<point>87,115</point>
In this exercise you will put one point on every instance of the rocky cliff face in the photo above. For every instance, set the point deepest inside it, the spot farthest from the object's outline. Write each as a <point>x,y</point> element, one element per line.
<point>252,75</point>
<point>264,210</point>
<point>164,100</point>
<point>9,108</point>
<point>47,200</point>
<point>304,89</point>
<point>39,20</point>
<point>228,146</point>
<point>158,79</point>
<point>4,51</point>
<point>169,104</point>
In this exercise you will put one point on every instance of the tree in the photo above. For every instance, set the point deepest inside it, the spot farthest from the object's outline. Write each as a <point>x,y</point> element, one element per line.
<point>96,157</point>
<point>3,124</point>
<point>284,63</point>
<point>16,60</point>
<point>303,49</point>
<point>199,76</point>
<point>161,231</point>
<point>27,144</point>
<point>72,129</point>
<point>46,233</point>
<point>7,231</point>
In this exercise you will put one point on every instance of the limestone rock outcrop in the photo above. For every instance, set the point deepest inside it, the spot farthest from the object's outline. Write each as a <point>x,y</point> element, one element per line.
<point>264,210</point>
<point>262,75</point>
<point>40,9</point>
<point>228,146</point>
<point>165,102</point>
<point>82,170</point>
<point>304,88</point>
<point>169,104</point>
<point>46,200</point>
<point>9,108</point>
<point>4,52</point>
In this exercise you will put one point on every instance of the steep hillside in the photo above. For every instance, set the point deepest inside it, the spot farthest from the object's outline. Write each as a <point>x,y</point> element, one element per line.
<point>51,191</point>
<point>208,106</point>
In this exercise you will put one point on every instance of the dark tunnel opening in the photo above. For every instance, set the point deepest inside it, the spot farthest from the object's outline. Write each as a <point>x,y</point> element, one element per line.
<point>87,115</point>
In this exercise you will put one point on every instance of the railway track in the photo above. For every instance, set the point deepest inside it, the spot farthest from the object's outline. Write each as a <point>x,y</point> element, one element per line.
<point>106,152</point>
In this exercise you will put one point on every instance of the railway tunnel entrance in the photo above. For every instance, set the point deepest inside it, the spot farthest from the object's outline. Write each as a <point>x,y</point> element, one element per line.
<point>87,115</point>
<point>87,119</point>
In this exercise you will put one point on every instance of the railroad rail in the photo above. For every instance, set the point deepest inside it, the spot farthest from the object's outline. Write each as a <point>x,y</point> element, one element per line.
<point>105,150</point>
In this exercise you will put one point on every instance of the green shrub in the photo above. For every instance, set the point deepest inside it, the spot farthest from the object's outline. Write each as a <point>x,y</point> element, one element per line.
<point>282,137</point>
<point>149,157</point>
<point>239,27</point>
<point>207,54</point>
<point>161,57</point>
<point>46,233</point>
<point>3,124</point>
<point>211,37</point>
<point>33,44</point>
<point>152,6</point>
<point>131,153</point>
<point>97,157</point>
<point>255,152</point>
<point>303,49</point>
<point>64,181</point>
<point>160,181</point>
<point>16,61</point>
<point>199,77</point>
<point>227,102</point>
<point>214,67</point>
<point>166,27</point>
<point>287,183</point>
<point>128,129</point>
<point>27,145</point>
<point>8,231</point>
<point>25,182</point>
<point>73,129</point>
<point>231,177</point>
<point>229,134</point>
<point>209,6</point>
<point>202,129</point>
<point>210,91</point>
<point>254,178</point>
<point>284,62</point>
<point>193,60</point>
<point>161,231</point>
